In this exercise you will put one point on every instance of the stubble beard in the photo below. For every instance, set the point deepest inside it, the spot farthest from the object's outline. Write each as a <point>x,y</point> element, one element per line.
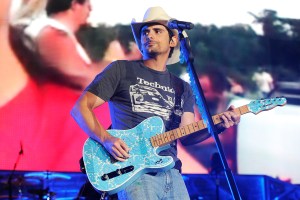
<point>150,53</point>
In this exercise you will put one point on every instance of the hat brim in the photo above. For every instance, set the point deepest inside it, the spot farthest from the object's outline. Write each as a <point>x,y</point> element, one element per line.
<point>136,28</point>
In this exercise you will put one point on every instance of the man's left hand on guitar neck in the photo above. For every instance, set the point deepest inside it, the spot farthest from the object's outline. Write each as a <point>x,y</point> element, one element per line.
<point>229,118</point>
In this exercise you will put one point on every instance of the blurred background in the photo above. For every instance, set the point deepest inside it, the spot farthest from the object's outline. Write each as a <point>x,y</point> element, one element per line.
<point>242,52</point>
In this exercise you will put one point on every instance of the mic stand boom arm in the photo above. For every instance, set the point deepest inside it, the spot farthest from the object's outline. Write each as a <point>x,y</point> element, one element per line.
<point>203,108</point>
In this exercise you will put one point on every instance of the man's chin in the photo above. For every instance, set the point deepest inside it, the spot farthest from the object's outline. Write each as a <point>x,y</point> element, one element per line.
<point>151,54</point>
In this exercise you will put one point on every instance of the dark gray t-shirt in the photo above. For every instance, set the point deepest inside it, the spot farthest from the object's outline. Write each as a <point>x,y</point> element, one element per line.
<point>136,92</point>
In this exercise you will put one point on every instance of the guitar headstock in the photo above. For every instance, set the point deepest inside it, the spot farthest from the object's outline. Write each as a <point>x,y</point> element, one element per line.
<point>266,104</point>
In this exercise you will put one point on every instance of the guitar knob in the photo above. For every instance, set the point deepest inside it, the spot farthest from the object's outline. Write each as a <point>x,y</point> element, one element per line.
<point>105,177</point>
<point>119,171</point>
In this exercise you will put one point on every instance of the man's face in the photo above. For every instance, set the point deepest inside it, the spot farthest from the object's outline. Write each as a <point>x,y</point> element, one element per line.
<point>155,40</point>
<point>83,11</point>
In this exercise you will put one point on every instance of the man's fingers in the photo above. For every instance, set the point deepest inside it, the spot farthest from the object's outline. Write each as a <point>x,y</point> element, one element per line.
<point>231,108</point>
<point>124,149</point>
<point>119,158</point>
<point>117,148</point>
<point>227,120</point>
<point>234,117</point>
<point>230,118</point>
<point>121,150</point>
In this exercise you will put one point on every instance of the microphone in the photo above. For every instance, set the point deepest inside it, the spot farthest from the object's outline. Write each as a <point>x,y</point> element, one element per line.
<point>175,24</point>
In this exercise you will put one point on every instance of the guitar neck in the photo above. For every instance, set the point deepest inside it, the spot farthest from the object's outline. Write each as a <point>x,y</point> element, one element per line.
<point>168,137</point>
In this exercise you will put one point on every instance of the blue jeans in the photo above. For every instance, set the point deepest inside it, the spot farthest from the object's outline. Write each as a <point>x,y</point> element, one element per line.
<point>161,186</point>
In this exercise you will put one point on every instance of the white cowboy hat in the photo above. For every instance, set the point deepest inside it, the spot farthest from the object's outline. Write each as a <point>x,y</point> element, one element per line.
<point>156,15</point>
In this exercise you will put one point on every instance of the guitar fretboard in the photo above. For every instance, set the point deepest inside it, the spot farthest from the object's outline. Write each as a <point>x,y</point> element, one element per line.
<point>169,136</point>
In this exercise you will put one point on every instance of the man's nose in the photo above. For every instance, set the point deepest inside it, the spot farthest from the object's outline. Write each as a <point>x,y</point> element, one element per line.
<point>150,34</point>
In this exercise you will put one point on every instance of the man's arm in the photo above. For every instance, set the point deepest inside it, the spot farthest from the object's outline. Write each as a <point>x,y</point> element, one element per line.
<point>59,51</point>
<point>229,119</point>
<point>83,114</point>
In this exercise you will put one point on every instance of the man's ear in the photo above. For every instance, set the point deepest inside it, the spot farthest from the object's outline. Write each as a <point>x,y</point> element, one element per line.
<point>174,41</point>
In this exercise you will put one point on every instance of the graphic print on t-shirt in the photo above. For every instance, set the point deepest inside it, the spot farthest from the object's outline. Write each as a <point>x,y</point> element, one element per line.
<point>151,97</point>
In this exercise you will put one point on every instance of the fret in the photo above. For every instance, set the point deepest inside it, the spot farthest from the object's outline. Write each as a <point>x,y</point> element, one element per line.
<point>166,136</point>
<point>217,119</point>
<point>161,138</point>
<point>201,124</point>
<point>191,128</point>
<point>172,136</point>
<point>186,130</point>
<point>182,131</point>
<point>155,142</point>
<point>177,133</point>
<point>196,127</point>
<point>243,109</point>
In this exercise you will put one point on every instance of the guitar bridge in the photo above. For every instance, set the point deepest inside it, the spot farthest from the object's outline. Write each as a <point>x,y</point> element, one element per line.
<point>116,173</point>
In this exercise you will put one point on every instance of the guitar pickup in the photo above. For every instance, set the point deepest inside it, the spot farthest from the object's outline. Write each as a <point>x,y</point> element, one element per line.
<point>116,173</point>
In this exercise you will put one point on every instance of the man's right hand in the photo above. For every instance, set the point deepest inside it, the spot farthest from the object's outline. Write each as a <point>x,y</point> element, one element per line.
<point>116,147</point>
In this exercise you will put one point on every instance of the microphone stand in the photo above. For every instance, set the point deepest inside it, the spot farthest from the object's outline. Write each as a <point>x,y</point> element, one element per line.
<point>187,55</point>
<point>9,182</point>
<point>216,169</point>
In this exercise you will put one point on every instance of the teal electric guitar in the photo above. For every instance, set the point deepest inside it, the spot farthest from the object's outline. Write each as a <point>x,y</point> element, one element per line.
<point>146,140</point>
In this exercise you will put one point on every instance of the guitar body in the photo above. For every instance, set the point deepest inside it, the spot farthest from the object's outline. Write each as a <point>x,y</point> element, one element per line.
<point>109,175</point>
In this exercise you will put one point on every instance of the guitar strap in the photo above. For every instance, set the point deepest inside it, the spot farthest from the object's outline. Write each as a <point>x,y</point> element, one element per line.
<point>177,110</point>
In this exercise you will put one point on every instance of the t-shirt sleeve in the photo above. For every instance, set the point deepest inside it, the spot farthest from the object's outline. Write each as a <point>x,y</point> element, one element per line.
<point>105,83</point>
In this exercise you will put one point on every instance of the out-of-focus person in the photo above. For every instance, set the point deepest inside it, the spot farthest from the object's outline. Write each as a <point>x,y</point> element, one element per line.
<point>50,40</point>
<point>264,82</point>
<point>35,117</point>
